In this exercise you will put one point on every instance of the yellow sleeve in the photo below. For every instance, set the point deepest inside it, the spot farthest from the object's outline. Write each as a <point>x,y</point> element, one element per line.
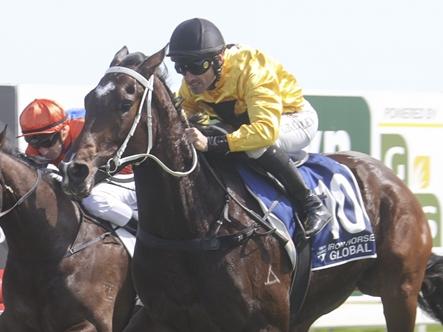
<point>264,106</point>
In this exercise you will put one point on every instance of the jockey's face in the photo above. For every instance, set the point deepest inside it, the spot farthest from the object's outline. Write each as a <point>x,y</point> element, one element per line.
<point>199,83</point>
<point>54,151</point>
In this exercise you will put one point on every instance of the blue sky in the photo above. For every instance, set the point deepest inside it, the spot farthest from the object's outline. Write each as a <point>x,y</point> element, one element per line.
<point>328,45</point>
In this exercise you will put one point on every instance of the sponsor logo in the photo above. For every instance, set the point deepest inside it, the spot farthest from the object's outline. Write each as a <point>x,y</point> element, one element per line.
<point>357,245</point>
<point>432,210</point>
<point>395,154</point>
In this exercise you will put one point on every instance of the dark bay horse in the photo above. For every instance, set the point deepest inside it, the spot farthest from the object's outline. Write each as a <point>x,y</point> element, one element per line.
<point>189,284</point>
<point>46,287</point>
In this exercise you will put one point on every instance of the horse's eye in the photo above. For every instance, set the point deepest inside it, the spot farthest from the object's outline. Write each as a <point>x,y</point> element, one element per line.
<point>130,89</point>
<point>125,106</point>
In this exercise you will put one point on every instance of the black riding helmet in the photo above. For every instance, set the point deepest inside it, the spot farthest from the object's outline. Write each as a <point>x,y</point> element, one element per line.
<point>196,38</point>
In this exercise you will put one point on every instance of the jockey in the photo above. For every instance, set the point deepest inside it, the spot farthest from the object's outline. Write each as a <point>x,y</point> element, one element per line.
<point>49,134</point>
<point>255,94</point>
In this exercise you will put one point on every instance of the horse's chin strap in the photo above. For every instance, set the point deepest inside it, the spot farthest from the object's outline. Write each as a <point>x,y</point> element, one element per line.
<point>114,163</point>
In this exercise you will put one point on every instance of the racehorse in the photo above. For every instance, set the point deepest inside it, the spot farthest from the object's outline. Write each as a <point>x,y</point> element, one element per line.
<point>202,262</point>
<point>64,271</point>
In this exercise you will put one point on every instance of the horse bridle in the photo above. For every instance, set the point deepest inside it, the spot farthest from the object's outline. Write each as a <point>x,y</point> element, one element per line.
<point>24,197</point>
<point>115,162</point>
<point>213,243</point>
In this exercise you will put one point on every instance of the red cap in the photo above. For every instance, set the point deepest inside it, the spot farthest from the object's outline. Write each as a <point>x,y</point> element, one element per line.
<point>42,116</point>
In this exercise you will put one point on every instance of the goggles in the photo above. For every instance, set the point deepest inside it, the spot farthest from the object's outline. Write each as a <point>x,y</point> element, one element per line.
<point>42,140</point>
<point>197,67</point>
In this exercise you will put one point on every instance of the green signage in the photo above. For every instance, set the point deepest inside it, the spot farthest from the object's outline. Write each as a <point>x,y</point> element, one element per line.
<point>394,154</point>
<point>344,123</point>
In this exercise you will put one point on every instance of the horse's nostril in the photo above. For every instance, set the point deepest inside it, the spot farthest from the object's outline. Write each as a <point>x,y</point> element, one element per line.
<point>77,172</point>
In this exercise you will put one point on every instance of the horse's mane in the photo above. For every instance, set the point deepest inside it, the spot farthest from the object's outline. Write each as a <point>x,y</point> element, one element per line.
<point>6,146</point>
<point>19,156</point>
<point>10,149</point>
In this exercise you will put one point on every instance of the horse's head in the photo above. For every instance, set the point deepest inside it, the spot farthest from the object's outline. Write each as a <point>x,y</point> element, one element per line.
<point>20,179</point>
<point>2,142</point>
<point>113,112</point>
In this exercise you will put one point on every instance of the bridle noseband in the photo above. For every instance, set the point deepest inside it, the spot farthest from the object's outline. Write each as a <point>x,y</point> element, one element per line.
<point>115,162</point>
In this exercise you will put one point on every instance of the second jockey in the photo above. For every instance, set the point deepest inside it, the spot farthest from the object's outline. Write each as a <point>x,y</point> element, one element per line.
<point>49,134</point>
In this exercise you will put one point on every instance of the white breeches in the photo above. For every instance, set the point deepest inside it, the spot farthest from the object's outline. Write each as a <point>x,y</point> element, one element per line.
<point>112,202</point>
<point>297,130</point>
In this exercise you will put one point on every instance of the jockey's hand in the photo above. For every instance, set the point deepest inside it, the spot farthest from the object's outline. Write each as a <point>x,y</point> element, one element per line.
<point>195,137</point>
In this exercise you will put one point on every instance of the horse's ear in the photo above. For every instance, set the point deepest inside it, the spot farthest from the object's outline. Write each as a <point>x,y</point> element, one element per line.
<point>151,63</point>
<point>3,136</point>
<point>119,56</point>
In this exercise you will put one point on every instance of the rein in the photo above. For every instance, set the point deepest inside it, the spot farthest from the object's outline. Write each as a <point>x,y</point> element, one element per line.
<point>25,196</point>
<point>270,229</point>
<point>114,163</point>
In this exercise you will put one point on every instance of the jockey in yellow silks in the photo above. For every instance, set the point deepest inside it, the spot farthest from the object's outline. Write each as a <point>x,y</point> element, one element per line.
<point>255,94</point>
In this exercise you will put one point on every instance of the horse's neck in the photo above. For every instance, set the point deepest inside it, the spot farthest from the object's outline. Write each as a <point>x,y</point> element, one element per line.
<point>177,206</point>
<point>181,204</point>
<point>37,227</point>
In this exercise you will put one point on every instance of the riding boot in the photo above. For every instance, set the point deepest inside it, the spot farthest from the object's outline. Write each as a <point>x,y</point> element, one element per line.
<point>312,212</point>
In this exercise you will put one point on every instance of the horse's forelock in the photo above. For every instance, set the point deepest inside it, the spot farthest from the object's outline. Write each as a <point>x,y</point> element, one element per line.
<point>133,60</point>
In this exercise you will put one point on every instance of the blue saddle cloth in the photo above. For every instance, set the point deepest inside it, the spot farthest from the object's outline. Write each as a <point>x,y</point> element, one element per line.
<point>349,236</point>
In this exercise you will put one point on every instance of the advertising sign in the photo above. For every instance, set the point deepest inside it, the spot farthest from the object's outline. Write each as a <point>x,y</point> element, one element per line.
<point>400,129</point>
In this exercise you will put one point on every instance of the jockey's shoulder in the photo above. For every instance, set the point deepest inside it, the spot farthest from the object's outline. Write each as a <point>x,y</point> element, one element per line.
<point>75,127</point>
<point>242,51</point>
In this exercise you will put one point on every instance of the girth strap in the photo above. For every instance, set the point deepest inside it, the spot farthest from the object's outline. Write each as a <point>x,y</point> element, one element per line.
<point>203,244</point>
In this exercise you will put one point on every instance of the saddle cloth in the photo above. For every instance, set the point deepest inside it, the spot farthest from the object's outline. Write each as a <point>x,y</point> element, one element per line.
<point>347,238</point>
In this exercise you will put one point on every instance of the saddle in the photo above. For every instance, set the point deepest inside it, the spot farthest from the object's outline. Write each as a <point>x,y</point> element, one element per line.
<point>336,185</point>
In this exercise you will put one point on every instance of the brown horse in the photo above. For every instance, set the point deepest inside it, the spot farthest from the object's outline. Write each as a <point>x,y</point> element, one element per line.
<point>64,272</point>
<point>202,261</point>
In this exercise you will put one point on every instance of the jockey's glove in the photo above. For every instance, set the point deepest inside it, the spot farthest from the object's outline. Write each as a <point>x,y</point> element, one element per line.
<point>218,144</point>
